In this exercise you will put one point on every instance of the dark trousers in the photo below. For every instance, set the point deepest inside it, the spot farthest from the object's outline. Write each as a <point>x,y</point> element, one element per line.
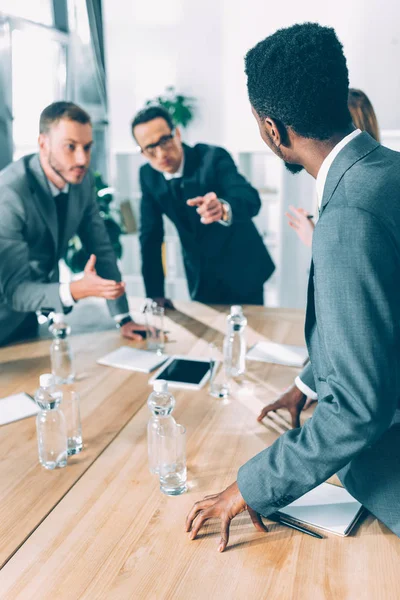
<point>26,330</point>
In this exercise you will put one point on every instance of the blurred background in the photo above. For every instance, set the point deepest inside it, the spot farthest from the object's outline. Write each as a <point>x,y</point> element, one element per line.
<point>112,56</point>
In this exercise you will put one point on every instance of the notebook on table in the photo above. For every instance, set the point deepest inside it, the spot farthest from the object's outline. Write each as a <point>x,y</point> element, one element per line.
<point>327,507</point>
<point>16,407</point>
<point>133,359</point>
<point>280,354</point>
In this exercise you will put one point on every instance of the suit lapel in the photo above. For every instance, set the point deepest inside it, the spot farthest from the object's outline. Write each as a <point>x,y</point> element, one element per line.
<point>191,185</point>
<point>42,196</point>
<point>354,151</point>
<point>161,191</point>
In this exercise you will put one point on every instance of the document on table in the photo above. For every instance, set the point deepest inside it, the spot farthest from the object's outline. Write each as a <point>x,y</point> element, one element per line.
<point>280,354</point>
<point>133,359</point>
<point>16,407</point>
<point>328,507</point>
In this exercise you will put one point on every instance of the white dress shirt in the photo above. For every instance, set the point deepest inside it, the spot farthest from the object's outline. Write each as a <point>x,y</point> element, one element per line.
<point>320,183</point>
<point>327,163</point>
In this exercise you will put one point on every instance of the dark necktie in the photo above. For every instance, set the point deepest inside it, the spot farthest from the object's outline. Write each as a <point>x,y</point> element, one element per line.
<point>61,207</point>
<point>175,185</point>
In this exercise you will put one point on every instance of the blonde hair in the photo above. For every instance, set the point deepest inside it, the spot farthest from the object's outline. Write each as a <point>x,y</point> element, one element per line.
<point>362,113</point>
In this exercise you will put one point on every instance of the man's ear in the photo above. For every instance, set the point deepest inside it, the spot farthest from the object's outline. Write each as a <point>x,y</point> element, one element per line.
<point>274,131</point>
<point>42,141</point>
<point>178,134</point>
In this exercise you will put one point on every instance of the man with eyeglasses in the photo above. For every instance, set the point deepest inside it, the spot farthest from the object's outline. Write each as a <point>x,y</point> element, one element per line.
<point>211,205</point>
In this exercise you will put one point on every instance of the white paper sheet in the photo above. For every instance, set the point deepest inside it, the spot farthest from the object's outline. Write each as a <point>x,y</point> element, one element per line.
<point>133,359</point>
<point>327,507</point>
<point>16,407</point>
<point>280,354</point>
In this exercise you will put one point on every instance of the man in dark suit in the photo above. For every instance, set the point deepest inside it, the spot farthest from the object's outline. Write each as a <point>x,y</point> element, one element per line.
<point>298,87</point>
<point>211,205</point>
<point>45,199</point>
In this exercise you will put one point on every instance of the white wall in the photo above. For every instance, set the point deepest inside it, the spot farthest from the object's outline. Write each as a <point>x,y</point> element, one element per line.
<point>152,44</point>
<point>368,29</point>
<point>199,47</point>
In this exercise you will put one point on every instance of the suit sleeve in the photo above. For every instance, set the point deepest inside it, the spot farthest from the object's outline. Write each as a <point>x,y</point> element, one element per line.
<point>357,301</point>
<point>95,239</point>
<point>22,293</point>
<point>151,238</point>
<point>232,187</point>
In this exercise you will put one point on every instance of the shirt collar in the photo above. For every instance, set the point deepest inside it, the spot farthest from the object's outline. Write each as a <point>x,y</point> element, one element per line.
<point>55,191</point>
<point>178,173</point>
<point>327,163</point>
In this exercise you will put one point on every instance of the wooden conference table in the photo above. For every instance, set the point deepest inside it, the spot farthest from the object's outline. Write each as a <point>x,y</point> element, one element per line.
<point>101,528</point>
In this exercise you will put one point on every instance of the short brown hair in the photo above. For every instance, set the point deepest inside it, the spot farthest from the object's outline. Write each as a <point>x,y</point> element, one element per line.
<point>62,110</point>
<point>362,113</point>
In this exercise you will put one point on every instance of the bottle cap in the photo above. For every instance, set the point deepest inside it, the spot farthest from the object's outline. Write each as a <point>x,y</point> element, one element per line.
<point>236,310</point>
<point>160,386</point>
<point>46,380</point>
<point>58,318</point>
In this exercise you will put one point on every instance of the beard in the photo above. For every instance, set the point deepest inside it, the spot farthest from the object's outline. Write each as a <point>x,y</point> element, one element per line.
<point>62,172</point>
<point>293,168</point>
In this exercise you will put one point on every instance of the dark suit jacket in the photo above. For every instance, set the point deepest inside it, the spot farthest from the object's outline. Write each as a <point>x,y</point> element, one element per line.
<point>233,256</point>
<point>353,339</point>
<point>29,242</point>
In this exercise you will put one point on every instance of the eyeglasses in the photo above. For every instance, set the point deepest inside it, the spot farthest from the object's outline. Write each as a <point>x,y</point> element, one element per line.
<point>165,142</point>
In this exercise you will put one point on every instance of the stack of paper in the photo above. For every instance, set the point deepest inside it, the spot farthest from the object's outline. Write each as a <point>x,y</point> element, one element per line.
<point>16,407</point>
<point>281,354</point>
<point>133,359</point>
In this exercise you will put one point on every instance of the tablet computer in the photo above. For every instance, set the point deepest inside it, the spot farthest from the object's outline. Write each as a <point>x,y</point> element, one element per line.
<point>184,372</point>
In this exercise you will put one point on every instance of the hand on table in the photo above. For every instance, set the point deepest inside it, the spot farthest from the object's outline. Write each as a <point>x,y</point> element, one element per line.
<point>302,224</point>
<point>164,303</point>
<point>293,400</point>
<point>128,331</point>
<point>224,506</point>
<point>208,207</point>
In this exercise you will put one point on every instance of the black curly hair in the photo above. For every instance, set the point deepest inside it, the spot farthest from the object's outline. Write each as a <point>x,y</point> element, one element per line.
<point>298,76</point>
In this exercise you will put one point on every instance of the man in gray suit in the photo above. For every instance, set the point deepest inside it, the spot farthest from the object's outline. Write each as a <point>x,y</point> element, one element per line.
<point>298,84</point>
<point>45,199</point>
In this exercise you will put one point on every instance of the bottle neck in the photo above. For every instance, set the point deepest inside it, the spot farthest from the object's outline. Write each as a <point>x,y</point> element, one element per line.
<point>235,330</point>
<point>60,336</point>
<point>50,407</point>
<point>160,416</point>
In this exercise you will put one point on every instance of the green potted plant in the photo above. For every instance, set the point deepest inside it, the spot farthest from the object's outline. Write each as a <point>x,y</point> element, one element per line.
<point>76,256</point>
<point>182,108</point>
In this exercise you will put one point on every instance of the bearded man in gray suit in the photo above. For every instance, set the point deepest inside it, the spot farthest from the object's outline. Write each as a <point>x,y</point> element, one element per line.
<point>298,86</point>
<point>45,199</point>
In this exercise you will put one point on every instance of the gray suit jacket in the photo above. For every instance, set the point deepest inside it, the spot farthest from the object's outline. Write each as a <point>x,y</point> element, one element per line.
<point>29,248</point>
<point>353,338</point>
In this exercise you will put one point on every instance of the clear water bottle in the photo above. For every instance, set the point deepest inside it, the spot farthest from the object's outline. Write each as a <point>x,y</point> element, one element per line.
<point>161,403</point>
<point>235,343</point>
<point>50,425</point>
<point>61,355</point>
